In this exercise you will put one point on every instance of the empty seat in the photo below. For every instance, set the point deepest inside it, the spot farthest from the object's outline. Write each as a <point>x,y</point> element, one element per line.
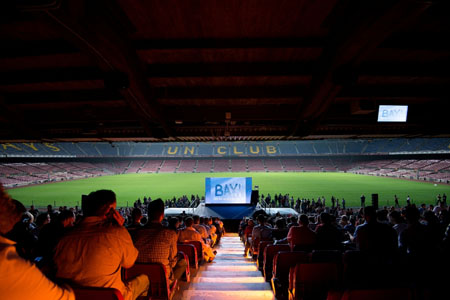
<point>96,293</point>
<point>199,248</point>
<point>159,287</point>
<point>269,253</point>
<point>282,263</point>
<point>191,252</point>
<point>260,258</point>
<point>313,280</point>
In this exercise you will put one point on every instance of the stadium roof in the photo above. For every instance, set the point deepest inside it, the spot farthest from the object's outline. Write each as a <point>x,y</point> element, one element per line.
<point>79,70</point>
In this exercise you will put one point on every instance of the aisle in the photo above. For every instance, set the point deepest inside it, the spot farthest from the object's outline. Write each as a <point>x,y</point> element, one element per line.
<point>229,276</point>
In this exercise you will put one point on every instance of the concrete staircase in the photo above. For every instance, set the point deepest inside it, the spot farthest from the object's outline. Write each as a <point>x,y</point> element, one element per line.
<point>229,276</point>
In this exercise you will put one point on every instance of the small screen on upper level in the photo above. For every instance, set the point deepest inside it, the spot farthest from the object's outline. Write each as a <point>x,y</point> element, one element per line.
<point>392,113</point>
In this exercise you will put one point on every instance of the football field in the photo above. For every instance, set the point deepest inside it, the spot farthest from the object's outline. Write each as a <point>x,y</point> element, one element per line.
<point>129,187</point>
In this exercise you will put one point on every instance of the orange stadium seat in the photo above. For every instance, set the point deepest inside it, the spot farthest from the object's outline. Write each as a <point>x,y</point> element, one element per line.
<point>96,293</point>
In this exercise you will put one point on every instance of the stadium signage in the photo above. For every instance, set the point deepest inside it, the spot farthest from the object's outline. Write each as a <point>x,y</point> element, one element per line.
<point>30,146</point>
<point>224,150</point>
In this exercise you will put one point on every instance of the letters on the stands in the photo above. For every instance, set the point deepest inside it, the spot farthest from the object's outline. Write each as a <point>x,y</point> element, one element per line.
<point>169,150</point>
<point>30,146</point>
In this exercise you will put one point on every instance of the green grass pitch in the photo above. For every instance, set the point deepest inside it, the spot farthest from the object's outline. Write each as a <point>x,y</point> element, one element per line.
<point>129,187</point>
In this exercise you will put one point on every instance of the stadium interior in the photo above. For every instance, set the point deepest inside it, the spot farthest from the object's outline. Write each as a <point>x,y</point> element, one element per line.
<point>33,163</point>
<point>92,88</point>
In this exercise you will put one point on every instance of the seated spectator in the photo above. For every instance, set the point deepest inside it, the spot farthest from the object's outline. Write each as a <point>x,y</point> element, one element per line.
<point>51,213</point>
<point>398,223</point>
<point>190,234</point>
<point>158,244</point>
<point>23,236</point>
<point>280,231</point>
<point>174,224</point>
<point>343,222</point>
<point>136,217</point>
<point>351,226</point>
<point>301,237</point>
<point>201,229</point>
<point>262,231</point>
<point>248,236</point>
<point>34,211</point>
<point>293,222</point>
<point>212,230</point>
<point>53,232</point>
<point>20,279</point>
<point>328,236</point>
<point>41,220</point>
<point>374,237</point>
<point>93,253</point>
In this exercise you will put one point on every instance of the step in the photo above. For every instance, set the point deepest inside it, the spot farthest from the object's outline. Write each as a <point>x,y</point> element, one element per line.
<point>230,286</point>
<point>227,295</point>
<point>219,274</point>
<point>232,257</point>
<point>232,262</point>
<point>229,279</point>
<point>225,268</point>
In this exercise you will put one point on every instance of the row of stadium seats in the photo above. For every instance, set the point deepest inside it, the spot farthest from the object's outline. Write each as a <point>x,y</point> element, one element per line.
<point>12,174</point>
<point>220,149</point>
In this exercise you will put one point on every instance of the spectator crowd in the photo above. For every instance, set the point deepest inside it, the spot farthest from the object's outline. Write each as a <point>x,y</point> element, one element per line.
<point>43,255</point>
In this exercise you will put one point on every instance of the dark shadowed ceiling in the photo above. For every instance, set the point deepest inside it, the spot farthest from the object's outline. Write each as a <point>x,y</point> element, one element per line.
<point>221,70</point>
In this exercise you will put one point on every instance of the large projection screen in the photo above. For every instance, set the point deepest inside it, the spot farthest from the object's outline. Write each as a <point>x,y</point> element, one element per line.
<point>230,190</point>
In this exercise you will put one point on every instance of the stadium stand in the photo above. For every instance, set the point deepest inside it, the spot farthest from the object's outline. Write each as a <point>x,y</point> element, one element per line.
<point>305,147</point>
<point>106,149</point>
<point>322,147</point>
<point>204,165</point>
<point>155,150</point>
<point>326,164</point>
<point>150,166</point>
<point>205,149</point>
<point>69,149</point>
<point>221,149</point>
<point>238,165</point>
<point>169,166</point>
<point>355,147</point>
<point>287,148</point>
<point>187,166</point>
<point>291,164</point>
<point>342,164</point>
<point>90,149</point>
<point>282,148</point>
<point>221,165</point>
<point>341,155</point>
<point>139,149</point>
<point>255,165</point>
<point>124,149</point>
<point>134,166</point>
<point>273,165</point>
<point>119,167</point>
<point>439,165</point>
<point>309,164</point>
